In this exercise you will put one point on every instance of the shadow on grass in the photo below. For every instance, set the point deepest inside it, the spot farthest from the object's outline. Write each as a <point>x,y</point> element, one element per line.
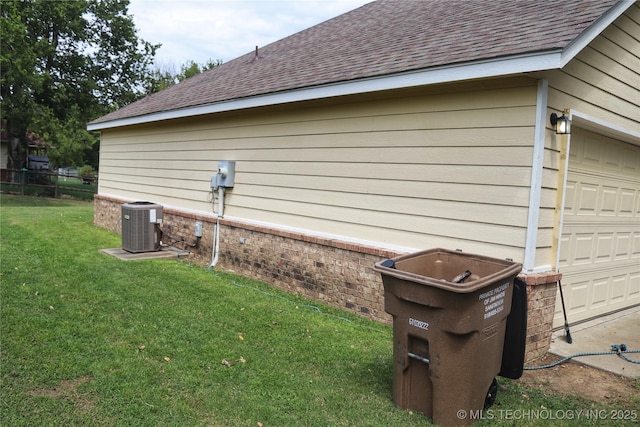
<point>376,376</point>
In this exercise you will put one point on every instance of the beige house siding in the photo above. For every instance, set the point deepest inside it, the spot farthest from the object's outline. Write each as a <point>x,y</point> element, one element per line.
<point>445,169</point>
<point>600,88</point>
<point>601,82</point>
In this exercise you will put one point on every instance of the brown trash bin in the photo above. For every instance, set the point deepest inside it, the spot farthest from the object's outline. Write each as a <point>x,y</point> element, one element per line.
<point>448,337</point>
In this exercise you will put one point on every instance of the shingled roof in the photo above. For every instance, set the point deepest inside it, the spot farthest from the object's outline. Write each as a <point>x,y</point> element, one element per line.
<point>383,39</point>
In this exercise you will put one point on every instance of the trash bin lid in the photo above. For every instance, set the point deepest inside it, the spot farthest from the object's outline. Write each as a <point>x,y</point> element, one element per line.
<point>438,267</point>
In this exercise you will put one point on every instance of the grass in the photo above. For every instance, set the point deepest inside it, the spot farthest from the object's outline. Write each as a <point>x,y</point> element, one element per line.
<point>87,339</point>
<point>75,188</point>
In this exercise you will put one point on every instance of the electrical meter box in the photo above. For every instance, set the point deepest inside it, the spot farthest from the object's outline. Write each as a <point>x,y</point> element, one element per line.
<point>225,175</point>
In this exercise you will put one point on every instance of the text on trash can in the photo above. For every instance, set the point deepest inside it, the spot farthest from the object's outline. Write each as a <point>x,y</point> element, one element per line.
<point>418,323</point>
<point>494,300</point>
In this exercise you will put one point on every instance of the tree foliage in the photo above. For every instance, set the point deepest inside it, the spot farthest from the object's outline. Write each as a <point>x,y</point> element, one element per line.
<point>65,63</point>
<point>164,76</point>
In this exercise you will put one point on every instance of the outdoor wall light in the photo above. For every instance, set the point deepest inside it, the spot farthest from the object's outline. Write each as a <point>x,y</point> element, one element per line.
<point>561,124</point>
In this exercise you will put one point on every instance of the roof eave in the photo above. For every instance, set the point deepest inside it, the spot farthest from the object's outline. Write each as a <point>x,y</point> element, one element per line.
<point>524,63</point>
<point>449,73</point>
<point>587,36</point>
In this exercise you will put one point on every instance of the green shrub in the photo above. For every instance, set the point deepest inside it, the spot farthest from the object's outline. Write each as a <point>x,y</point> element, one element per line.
<point>86,172</point>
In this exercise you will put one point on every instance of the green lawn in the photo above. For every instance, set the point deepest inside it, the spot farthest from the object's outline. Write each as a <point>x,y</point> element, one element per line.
<point>87,339</point>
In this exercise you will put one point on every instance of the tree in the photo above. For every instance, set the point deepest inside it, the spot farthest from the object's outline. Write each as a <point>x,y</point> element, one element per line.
<point>65,63</point>
<point>165,75</point>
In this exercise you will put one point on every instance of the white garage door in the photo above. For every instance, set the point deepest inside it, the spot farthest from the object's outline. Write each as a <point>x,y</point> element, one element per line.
<point>600,244</point>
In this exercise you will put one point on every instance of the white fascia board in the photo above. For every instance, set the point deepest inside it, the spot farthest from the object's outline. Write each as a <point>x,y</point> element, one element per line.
<point>451,73</point>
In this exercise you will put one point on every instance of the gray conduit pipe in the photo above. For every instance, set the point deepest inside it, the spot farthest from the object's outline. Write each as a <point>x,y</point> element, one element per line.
<point>216,233</point>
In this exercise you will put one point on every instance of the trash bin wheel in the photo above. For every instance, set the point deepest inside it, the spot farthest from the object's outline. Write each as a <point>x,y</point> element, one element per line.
<point>491,394</point>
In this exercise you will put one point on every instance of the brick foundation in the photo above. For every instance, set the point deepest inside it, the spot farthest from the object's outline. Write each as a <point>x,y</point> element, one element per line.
<point>541,301</point>
<point>335,272</point>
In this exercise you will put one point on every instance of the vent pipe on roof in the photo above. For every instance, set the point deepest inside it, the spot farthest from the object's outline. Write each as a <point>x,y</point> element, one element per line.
<point>255,55</point>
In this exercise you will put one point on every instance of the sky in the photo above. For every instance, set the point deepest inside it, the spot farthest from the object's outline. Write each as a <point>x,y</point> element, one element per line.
<point>203,30</point>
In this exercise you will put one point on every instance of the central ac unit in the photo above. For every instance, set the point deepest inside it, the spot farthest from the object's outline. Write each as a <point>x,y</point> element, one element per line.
<point>140,226</point>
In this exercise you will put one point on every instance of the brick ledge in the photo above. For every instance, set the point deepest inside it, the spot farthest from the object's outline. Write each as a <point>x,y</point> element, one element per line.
<point>324,241</point>
<point>540,278</point>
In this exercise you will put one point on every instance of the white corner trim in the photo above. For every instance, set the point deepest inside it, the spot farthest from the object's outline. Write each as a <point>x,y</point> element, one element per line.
<point>536,177</point>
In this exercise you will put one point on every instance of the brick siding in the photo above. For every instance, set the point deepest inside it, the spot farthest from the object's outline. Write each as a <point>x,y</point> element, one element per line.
<point>541,301</point>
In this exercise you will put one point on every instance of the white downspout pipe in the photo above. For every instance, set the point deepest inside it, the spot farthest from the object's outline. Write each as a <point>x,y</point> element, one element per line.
<point>216,232</point>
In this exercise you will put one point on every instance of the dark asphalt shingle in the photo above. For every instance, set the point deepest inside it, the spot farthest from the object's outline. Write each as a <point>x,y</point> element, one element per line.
<point>382,38</point>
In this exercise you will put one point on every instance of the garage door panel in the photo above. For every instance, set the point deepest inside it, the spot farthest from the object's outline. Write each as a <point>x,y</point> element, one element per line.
<point>628,247</point>
<point>593,263</point>
<point>600,293</point>
<point>623,247</point>
<point>629,203</point>
<point>609,202</point>
<point>585,246</point>
<point>618,288</point>
<point>592,292</point>
<point>634,286</point>
<point>594,152</point>
<point>578,296</point>
<point>590,154</point>
<point>599,254</point>
<point>570,197</point>
<point>583,252</point>
<point>629,164</point>
<point>604,247</point>
<point>588,199</point>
